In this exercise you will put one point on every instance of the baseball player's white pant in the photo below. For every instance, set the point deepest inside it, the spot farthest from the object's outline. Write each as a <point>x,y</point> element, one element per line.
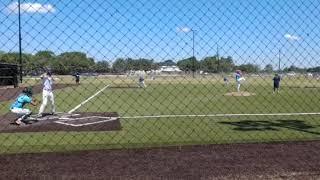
<point>45,96</point>
<point>22,113</point>
<point>242,79</point>
<point>238,86</point>
<point>142,84</point>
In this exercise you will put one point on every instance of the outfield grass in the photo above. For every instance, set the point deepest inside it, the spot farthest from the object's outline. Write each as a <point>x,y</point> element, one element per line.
<point>179,96</point>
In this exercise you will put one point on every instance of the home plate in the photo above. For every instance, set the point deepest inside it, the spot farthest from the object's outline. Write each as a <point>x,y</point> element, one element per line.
<point>78,121</point>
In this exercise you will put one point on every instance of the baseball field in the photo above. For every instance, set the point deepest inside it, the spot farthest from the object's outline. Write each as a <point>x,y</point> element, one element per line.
<point>178,127</point>
<point>171,111</point>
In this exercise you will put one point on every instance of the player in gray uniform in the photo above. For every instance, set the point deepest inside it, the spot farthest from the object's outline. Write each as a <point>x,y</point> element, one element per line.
<point>47,93</point>
<point>141,82</point>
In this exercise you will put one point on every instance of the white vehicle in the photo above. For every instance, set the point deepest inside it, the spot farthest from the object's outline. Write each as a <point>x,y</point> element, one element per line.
<point>291,74</point>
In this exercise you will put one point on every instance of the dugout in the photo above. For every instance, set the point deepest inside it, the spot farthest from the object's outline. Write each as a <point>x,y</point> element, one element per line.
<point>8,74</point>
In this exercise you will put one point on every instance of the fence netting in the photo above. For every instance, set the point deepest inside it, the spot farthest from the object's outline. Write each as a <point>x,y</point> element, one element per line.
<point>95,74</point>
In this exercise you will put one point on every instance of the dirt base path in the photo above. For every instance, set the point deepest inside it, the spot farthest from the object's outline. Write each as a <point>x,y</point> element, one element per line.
<point>294,160</point>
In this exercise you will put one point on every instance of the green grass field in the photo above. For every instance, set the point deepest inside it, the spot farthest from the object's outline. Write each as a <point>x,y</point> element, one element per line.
<point>178,96</point>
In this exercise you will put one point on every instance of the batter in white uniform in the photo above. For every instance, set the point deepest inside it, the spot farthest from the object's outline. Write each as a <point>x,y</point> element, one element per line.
<point>47,93</point>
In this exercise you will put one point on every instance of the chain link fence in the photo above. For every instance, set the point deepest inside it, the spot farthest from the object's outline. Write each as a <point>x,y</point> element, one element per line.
<point>100,74</point>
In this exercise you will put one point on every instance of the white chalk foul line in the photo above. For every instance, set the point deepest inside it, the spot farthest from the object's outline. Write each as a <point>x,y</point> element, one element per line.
<point>106,119</point>
<point>80,118</point>
<point>84,102</point>
<point>218,115</point>
<point>51,117</point>
<point>68,120</point>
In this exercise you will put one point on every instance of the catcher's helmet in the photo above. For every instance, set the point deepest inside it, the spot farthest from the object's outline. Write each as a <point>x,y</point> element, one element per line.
<point>27,91</point>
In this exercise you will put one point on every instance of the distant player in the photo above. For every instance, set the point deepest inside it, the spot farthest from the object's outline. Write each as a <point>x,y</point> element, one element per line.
<point>153,74</point>
<point>239,78</point>
<point>226,81</point>
<point>141,82</point>
<point>18,106</point>
<point>47,94</point>
<point>276,83</point>
<point>77,78</point>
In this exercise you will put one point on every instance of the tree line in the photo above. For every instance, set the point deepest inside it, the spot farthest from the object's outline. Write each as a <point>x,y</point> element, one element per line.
<point>71,62</point>
<point>64,63</point>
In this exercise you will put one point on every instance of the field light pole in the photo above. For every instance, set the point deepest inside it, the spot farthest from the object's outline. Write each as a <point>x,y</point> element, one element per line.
<point>288,38</point>
<point>218,68</point>
<point>20,48</point>
<point>193,58</point>
<point>187,30</point>
<point>279,65</point>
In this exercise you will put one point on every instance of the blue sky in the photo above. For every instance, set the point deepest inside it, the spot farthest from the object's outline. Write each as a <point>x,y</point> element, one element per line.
<point>250,31</point>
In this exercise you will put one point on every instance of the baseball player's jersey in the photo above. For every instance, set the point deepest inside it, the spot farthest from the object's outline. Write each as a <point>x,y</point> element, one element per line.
<point>21,101</point>
<point>238,76</point>
<point>276,80</point>
<point>47,83</point>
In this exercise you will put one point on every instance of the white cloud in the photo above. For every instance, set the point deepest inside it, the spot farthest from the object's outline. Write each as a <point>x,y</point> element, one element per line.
<point>31,8</point>
<point>291,37</point>
<point>184,29</point>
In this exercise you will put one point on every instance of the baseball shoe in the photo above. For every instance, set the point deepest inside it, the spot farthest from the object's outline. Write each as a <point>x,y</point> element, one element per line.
<point>40,115</point>
<point>17,122</point>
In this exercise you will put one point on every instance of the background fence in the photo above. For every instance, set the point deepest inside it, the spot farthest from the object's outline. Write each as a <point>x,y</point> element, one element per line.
<point>146,73</point>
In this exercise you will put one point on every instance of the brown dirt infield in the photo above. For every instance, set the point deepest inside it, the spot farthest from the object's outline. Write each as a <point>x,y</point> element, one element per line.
<point>87,122</point>
<point>11,93</point>
<point>293,160</point>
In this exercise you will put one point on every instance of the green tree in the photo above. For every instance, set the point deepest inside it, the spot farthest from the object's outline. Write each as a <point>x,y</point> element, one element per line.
<point>209,64</point>
<point>102,67</point>
<point>1,53</point>
<point>167,63</point>
<point>45,55</point>
<point>294,68</point>
<point>314,69</point>
<point>268,68</point>
<point>14,58</point>
<point>58,67</point>
<point>143,64</point>
<point>122,65</point>
<point>249,68</point>
<point>75,62</point>
<point>214,64</point>
<point>44,61</point>
<point>189,64</point>
<point>226,64</point>
<point>119,65</point>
